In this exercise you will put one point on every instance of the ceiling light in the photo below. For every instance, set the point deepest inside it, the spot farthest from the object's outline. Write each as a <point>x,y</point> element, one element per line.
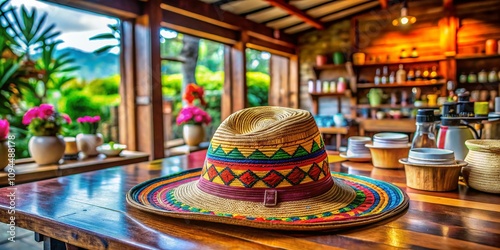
<point>404,19</point>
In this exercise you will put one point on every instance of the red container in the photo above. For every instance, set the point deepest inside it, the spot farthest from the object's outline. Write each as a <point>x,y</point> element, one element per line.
<point>321,60</point>
<point>491,46</point>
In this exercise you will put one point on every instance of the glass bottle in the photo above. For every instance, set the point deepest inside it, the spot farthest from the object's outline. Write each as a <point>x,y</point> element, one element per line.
<point>401,75</point>
<point>424,135</point>
<point>392,77</point>
<point>492,77</point>
<point>418,75</point>
<point>411,75</point>
<point>434,74</point>
<point>385,75</point>
<point>482,76</point>
<point>376,79</point>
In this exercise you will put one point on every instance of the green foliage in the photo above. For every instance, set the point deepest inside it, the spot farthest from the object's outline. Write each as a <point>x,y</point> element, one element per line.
<point>258,89</point>
<point>79,104</point>
<point>104,86</point>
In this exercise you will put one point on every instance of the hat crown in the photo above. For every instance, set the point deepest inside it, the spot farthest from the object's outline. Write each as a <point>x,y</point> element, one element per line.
<point>266,148</point>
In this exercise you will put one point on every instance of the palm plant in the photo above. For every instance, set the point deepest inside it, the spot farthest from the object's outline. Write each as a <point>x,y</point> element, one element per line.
<point>114,34</point>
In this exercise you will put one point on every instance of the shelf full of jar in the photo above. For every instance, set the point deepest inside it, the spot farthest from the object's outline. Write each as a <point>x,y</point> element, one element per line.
<point>417,83</point>
<point>397,106</point>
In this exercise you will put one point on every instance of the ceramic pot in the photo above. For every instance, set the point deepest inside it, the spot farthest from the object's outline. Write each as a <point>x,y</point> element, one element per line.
<point>46,149</point>
<point>4,154</point>
<point>87,144</point>
<point>193,134</point>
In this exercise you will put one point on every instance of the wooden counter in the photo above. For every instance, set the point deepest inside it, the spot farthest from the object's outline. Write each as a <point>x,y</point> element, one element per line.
<point>27,170</point>
<point>89,210</point>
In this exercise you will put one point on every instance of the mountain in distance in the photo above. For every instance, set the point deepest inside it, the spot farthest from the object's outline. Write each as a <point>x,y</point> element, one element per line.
<point>92,66</point>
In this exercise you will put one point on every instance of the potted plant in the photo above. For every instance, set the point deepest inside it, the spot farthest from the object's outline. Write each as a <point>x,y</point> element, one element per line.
<point>4,146</point>
<point>193,117</point>
<point>46,146</point>
<point>88,140</point>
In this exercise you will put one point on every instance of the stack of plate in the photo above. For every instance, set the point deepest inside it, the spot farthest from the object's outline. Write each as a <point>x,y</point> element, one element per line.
<point>356,146</point>
<point>356,149</point>
<point>390,140</point>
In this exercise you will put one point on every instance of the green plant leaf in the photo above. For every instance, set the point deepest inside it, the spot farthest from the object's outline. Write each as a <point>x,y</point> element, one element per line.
<point>103,36</point>
<point>104,49</point>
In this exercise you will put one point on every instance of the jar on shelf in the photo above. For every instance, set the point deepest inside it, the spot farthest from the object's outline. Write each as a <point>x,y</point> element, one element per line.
<point>414,53</point>
<point>333,86</point>
<point>326,87</point>
<point>341,85</point>
<point>491,47</point>
<point>463,78</point>
<point>482,76</point>
<point>433,75</point>
<point>311,86</point>
<point>318,86</point>
<point>472,77</point>
<point>376,79</point>
<point>492,76</point>
<point>403,54</point>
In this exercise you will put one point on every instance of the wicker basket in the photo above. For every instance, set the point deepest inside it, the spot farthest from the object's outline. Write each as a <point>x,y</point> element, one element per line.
<point>483,171</point>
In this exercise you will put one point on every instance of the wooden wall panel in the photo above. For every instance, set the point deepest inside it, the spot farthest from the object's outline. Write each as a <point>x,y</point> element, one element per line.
<point>382,41</point>
<point>479,21</point>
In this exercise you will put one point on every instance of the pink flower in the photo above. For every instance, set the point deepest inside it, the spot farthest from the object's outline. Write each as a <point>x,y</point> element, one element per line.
<point>66,118</point>
<point>30,115</point>
<point>4,129</point>
<point>45,111</point>
<point>193,115</point>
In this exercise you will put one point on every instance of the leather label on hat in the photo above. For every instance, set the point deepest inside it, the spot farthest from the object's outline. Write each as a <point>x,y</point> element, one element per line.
<point>270,198</point>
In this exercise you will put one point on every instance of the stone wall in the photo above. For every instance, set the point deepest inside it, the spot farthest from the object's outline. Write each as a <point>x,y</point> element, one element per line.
<point>334,38</point>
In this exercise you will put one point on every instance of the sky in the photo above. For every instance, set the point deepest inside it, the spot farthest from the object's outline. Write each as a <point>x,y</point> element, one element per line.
<point>76,26</point>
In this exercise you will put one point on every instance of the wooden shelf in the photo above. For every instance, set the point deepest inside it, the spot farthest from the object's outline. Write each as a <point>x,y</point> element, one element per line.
<point>475,56</point>
<point>330,66</point>
<point>466,84</point>
<point>428,59</point>
<point>401,85</point>
<point>320,94</point>
<point>389,106</point>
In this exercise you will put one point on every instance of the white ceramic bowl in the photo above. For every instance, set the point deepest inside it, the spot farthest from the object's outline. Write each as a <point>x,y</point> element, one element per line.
<point>431,156</point>
<point>108,151</point>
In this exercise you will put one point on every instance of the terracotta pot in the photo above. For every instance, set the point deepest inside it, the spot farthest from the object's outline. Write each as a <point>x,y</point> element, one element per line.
<point>193,134</point>
<point>4,154</point>
<point>46,149</point>
<point>491,47</point>
<point>87,144</point>
<point>321,60</point>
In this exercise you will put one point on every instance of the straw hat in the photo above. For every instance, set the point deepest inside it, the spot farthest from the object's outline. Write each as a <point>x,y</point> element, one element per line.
<point>266,167</point>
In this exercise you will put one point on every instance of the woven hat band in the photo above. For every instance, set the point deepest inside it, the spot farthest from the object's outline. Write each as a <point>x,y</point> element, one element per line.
<point>265,176</point>
<point>268,196</point>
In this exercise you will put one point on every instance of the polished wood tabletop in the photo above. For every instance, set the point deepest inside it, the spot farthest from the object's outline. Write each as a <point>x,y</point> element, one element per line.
<point>89,210</point>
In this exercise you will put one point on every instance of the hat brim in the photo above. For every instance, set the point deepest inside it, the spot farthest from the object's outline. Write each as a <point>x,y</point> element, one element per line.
<point>374,200</point>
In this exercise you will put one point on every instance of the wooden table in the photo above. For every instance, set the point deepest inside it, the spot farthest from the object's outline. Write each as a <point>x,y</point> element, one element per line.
<point>27,170</point>
<point>89,210</point>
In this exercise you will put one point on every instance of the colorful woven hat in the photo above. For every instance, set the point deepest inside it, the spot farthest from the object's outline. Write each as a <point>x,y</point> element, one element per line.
<point>266,167</point>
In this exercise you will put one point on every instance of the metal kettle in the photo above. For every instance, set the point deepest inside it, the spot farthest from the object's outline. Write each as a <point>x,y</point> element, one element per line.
<point>453,134</point>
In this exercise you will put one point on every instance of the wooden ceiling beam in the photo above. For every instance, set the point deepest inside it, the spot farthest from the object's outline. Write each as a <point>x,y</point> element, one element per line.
<point>383,4</point>
<point>448,4</point>
<point>214,15</point>
<point>121,9</point>
<point>294,11</point>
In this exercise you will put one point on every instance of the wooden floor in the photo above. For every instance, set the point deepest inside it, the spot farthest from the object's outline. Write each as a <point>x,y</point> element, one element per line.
<point>89,210</point>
